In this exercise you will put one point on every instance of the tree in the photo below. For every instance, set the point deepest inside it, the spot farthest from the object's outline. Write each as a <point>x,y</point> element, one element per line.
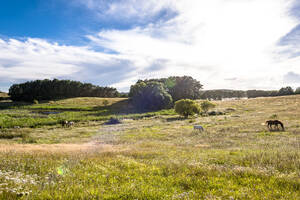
<point>179,87</point>
<point>184,87</point>
<point>297,90</point>
<point>150,96</point>
<point>187,107</point>
<point>286,91</point>
<point>206,105</point>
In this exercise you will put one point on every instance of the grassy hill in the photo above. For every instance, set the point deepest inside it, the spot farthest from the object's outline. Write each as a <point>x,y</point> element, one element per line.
<point>154,155</point>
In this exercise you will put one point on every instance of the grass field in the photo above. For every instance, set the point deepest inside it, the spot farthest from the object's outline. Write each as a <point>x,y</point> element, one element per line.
<point>154,155</point>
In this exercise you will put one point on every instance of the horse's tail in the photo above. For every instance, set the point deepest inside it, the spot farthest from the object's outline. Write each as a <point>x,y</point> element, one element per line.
<point>282,126</point>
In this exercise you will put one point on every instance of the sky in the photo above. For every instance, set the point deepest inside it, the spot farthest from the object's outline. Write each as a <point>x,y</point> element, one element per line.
<point>225,44</point>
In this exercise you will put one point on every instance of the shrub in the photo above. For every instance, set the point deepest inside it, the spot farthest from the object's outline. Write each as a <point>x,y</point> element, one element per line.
<point>105,102</point>
<point>35,101</point>
<point>113,120</point>
<point>274,116</point>
<point>206,105</point>
<point>186,107</point>
<point>214,113</point>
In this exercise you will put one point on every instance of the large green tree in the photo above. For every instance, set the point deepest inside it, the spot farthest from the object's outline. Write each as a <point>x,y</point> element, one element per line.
<point>150,96</point>
<point>180,87</point>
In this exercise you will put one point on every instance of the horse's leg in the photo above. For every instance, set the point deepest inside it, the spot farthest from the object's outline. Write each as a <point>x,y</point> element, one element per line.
<point>270,127</point>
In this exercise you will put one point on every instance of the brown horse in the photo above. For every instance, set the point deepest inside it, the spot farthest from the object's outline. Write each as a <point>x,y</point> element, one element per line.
<point>270,123</point>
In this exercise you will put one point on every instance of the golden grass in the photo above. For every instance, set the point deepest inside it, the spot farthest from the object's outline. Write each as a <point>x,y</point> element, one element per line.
<point>90,147</point>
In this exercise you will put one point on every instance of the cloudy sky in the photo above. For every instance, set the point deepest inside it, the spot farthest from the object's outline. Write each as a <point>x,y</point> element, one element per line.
<point>234,44</point>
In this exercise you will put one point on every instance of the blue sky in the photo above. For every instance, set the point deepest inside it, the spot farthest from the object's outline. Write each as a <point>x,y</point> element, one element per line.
<point>238,44</point>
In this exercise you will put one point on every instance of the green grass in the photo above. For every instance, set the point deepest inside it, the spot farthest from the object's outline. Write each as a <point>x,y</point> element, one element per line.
<point>154,155</point>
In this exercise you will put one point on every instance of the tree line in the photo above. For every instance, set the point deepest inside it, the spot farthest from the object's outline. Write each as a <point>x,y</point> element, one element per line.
<point>223,94</point>
<point>57,89</point>
<point>149,94</point>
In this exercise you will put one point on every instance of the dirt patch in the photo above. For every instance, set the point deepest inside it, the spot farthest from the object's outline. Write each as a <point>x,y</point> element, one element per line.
<point>59,148</point>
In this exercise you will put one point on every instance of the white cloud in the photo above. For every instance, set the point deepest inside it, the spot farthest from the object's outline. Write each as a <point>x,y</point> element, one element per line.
<point>222,43</point>
<point>38,59</point>
<point>212,40</point>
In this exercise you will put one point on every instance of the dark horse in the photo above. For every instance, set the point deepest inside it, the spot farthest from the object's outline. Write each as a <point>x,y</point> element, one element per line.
<point>270,123</point>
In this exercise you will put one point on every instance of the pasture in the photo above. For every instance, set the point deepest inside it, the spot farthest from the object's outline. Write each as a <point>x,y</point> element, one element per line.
<point>155,155</point>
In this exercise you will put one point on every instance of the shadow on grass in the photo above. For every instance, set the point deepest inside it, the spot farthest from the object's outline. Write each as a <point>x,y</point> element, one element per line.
<point>276,130</point>
<point>12,105</point>
<point>172,119</point>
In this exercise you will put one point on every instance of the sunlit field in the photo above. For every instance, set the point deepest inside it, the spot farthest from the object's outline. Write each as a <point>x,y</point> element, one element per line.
<point>155,155</point>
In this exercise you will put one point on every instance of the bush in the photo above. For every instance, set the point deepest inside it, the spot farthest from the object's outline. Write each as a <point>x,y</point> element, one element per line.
<point>105,102</point>
<point>186,107</point>
<point>206,105</point>
<point>150,96</point>
<point>113,120</point>
<point>214,113</point>
<point>35,101</point>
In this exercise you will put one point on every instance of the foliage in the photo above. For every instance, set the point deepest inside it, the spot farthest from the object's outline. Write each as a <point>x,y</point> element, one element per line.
<point>274,116</point>
<point>57,89</point>
<point>297,91</point>
<point>206,105</point>
<point>35,101</point>
<point>187,107</point>
<point>105,102</point>
<point>261,93</point>
<point>179,87</point>
<point>271,93</point>
<point>150,96</point>
<point>221,94</point>
<point>286,91</point>
<point>185,88</point>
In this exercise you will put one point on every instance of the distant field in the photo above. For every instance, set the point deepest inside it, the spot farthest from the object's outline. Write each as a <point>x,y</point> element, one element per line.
<point>3,94</point>
<point>153,155</point>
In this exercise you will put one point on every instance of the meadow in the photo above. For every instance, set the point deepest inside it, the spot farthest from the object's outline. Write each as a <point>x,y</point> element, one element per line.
<point>152,155</point>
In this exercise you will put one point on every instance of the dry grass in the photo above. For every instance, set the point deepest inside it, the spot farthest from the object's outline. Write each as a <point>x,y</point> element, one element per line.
<point>59,148</point>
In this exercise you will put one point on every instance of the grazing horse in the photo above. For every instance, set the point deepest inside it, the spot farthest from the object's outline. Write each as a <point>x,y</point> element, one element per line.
<point>67,123</point>
<point>270,123</point>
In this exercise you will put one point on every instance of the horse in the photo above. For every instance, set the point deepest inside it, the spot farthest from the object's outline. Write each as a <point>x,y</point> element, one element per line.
<point>198,127</point>
<point>67,123</point>
<point>270,123</point>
